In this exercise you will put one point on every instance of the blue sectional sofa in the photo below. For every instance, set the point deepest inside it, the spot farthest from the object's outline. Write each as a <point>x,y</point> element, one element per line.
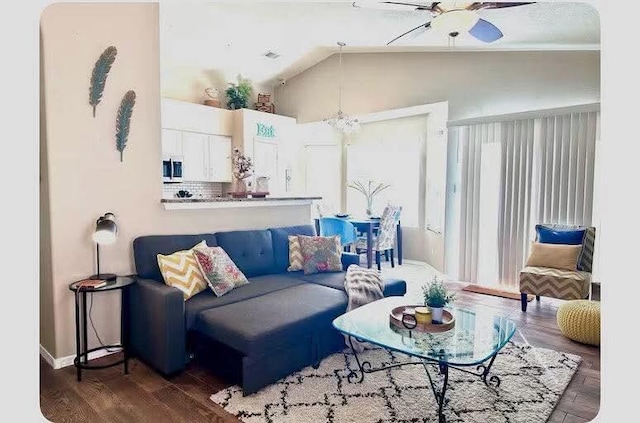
<point>257,333</point>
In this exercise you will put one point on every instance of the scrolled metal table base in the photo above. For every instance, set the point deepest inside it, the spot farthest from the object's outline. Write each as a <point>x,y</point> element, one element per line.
<point>443,372</point>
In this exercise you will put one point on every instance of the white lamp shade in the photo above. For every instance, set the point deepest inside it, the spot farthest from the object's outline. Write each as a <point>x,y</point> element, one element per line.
<point>455,21</point>
<point>106,230</point>
<point>104,237</point>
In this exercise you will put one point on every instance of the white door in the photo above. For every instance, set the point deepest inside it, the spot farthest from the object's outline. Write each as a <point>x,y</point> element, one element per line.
<point>322,164</point>
<point>266,163</point>
<point>171,140</point>
<point>195,156</point>
<point>220,158</point>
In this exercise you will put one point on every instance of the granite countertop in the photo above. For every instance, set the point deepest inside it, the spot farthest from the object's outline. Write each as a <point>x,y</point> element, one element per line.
<point>233,199</point>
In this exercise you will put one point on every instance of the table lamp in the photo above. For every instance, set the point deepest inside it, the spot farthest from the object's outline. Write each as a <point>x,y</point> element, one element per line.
<point>104,234</point>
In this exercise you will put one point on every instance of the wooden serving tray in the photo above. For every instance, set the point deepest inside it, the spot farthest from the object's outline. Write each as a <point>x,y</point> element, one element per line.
<point>395,318</point>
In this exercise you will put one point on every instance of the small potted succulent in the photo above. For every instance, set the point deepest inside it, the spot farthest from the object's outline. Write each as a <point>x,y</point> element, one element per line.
<point>436,296</point>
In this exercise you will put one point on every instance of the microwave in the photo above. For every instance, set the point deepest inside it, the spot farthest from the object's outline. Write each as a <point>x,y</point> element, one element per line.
<point>172,169</point>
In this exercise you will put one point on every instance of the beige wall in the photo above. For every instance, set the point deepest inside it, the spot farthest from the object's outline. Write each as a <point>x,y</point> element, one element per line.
<point>474,83</point>
<point>83,169</point>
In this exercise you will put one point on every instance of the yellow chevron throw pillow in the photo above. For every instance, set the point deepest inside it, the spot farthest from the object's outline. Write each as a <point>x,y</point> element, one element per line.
<point>180,270</point>
<point>296,261</point>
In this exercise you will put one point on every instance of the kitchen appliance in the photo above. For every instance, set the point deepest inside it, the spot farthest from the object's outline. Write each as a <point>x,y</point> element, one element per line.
<point>172,169</point>
<point>262,184</point>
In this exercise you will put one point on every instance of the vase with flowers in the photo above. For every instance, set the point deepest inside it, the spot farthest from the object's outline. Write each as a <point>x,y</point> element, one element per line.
<point>242,169</point>
<point>436,296</point>
<point>369,189</point>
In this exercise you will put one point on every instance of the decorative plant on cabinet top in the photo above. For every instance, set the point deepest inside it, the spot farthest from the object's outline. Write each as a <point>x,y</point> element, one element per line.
<point>238,93</point>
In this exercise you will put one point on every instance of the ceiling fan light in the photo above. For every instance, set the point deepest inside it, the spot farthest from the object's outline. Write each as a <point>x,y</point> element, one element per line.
<point>455,21</point>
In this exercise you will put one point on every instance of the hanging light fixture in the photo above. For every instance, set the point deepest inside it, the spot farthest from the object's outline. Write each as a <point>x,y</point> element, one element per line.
<point>340,120</point>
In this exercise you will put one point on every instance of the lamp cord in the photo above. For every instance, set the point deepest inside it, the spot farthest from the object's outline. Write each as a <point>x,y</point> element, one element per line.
<point>94,328</point>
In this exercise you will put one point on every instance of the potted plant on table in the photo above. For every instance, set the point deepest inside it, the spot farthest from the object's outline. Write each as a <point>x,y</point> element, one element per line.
<point>436,296</point>
<point>369,190</point>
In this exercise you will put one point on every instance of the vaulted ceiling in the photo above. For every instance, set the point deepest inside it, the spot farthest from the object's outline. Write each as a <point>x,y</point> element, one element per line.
<point>233,37</point>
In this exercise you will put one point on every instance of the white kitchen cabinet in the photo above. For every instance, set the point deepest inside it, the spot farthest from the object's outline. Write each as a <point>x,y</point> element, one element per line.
<point>171,142</point>
<point>207,158</point>
<point>219,154</point>
<point>266,162</point>
<point>195,161</point>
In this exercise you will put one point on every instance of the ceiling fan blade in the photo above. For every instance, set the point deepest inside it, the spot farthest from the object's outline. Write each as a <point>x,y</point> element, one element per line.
<point>424,27</point>
<point>393,5</point>
<point>485,31</point>
<point>495,5</point>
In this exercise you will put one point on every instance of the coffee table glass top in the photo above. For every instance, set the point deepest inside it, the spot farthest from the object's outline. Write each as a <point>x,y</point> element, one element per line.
<point>476,336</point>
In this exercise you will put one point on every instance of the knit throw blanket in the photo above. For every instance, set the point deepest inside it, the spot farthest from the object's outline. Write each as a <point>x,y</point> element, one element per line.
<point>363,286</point>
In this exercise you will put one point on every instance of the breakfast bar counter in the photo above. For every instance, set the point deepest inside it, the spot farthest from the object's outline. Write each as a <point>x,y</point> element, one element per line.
<point>234,202</point>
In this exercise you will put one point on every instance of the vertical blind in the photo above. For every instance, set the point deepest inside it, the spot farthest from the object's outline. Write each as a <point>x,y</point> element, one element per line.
<point>515,174</point>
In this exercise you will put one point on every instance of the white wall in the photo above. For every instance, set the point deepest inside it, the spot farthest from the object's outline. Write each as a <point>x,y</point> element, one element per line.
<point>474,83</point>
<point>82,175</point>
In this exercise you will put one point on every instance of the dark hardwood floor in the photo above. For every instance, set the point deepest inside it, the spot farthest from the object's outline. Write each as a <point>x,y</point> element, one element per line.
<point>107,395</point>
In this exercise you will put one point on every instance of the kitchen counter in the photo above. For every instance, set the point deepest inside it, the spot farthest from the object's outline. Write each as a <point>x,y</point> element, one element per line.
<point>231,202</point>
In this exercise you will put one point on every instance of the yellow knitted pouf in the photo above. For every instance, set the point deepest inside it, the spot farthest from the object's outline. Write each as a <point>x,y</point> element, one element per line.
<point>580,320</point>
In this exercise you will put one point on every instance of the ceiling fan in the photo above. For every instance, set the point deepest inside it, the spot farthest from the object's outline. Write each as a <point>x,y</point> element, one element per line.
<point>451,18</point>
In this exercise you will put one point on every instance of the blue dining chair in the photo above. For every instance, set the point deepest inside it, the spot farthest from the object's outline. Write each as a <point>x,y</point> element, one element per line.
<point>335,226</point>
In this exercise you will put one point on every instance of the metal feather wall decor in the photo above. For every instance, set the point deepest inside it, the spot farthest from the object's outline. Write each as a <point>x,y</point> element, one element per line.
<point>99,76</point>
<point>123,120</point>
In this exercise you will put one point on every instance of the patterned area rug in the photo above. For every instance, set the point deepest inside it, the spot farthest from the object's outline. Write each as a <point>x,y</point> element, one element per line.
<point>532,381</point>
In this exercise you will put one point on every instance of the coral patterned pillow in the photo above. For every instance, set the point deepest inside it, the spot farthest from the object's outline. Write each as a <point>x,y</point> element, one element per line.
<point>321,254</point>
<point>220,272</point>
<point>181,271</point>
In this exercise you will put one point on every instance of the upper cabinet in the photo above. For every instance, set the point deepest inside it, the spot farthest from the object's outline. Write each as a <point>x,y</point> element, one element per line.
<point>201,136</point>
<point>271,142</point>
<point>204,137</point>
<point>196,117</point>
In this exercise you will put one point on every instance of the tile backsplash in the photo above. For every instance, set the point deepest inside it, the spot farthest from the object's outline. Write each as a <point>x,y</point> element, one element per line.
<point>198,189</point>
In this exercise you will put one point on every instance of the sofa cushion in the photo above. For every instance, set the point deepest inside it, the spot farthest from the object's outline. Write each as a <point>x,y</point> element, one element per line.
<point>259,325</point>
<point>392,286</point>
<point>280,237</point>
<point>320,254</point>
<point>146,249</point>
<point>251,251</point>
<point>180,270</point>
<point>218,270</point>
<point>256,287</point>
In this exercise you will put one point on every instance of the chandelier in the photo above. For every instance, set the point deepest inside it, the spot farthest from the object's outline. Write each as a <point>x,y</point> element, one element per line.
<point>340,120</point>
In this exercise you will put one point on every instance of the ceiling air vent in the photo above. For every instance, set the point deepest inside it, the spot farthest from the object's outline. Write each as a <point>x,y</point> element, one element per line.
<point>271,55</point>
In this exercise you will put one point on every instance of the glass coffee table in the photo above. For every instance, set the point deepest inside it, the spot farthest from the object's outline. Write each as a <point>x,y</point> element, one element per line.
<point>474,341</point>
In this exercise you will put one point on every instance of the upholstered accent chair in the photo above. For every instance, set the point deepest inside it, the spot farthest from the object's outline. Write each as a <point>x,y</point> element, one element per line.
<point>559,283</point>
<point>385,237</point>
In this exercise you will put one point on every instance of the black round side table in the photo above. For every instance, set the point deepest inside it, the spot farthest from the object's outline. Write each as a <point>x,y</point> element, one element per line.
<point>81,360</point>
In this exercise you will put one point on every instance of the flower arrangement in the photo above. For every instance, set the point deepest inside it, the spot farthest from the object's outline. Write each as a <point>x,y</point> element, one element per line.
<point>242,165</point>
<point>369,190</point>
<point>436,294</point>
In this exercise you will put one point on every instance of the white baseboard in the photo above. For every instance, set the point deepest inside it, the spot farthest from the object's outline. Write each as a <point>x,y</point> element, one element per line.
<point>59,363</point>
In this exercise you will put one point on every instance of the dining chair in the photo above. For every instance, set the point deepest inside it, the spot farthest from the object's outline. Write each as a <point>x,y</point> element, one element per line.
<point>385,237</point>
<point>330,225</point>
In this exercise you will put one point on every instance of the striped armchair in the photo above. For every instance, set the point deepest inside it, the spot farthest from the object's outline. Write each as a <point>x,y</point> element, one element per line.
<point>557,283</point>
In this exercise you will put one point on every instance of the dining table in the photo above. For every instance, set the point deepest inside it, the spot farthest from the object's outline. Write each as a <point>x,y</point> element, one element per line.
<point>369,226</point>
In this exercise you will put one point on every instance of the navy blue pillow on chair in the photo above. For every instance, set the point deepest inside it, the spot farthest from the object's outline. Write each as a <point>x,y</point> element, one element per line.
<point>547,235</point>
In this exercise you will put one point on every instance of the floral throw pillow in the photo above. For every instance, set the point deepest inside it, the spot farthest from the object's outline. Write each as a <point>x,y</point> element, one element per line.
<point>220,272</point>
<point>320,254</point>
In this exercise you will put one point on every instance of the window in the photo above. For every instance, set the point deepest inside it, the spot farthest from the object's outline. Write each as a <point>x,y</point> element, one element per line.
<point>389,152</point>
